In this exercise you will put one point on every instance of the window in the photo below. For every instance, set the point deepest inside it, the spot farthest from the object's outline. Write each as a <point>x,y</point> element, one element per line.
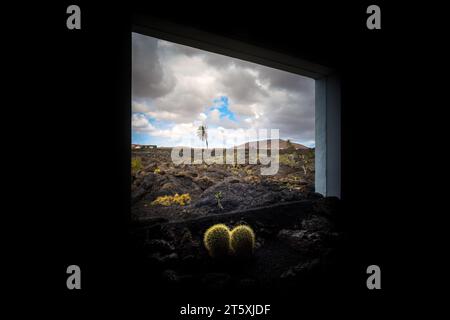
<point>327,142</point>
<point>211,117</point>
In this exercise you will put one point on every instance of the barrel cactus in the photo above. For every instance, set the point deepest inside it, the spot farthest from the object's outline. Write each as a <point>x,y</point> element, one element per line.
<point>217,240</point>
<point>242,241</point>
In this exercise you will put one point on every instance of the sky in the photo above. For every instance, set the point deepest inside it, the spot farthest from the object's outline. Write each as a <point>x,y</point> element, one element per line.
<point>176,88</point>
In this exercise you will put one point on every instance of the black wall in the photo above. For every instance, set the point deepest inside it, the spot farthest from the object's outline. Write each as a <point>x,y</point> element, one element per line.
<point>78,106</point>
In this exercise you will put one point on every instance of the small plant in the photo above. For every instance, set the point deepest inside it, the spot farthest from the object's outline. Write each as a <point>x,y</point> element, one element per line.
<point>234,170</point>
<point>242,241</point>
<point>217,241</point>
<point>219,197</point>
<point>157,171</point>
<point>166,201</point>
<point>288,160</point>
<point>306,158</point>
<point>136,164</point>
<point>307,161</point>
<point>291,186</point>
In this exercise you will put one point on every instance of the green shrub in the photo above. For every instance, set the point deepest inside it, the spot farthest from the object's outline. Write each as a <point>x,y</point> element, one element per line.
<point>242,241</point>
<point>288,159</point>
<point>166,201</point>
<point>219,196</point>
<point>217,241</point>
<point>136,164</point>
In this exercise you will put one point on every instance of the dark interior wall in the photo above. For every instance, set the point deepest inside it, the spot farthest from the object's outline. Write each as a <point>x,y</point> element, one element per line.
<point>87,72</point>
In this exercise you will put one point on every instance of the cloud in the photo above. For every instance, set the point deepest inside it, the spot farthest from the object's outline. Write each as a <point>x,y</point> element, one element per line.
<point>140,107</point>
<point>140,123</point>
<point>241,85</point>
<point>180,87</point>
<point>150,78</point>
<point>214,116</point>
<point>163,115</point>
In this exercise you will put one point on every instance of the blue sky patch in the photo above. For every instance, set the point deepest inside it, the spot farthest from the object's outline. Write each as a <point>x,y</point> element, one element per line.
<point>222,105</point>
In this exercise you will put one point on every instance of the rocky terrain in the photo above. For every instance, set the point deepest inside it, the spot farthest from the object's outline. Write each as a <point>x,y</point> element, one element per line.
<point>296,243</point>
<point>297,237</point>
<point>216,188</point>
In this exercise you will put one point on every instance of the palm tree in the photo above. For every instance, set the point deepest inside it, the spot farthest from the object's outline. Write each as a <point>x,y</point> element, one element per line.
<point>202,133</point>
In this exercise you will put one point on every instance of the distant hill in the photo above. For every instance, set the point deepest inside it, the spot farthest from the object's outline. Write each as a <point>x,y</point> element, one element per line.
<point>281,143</point>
